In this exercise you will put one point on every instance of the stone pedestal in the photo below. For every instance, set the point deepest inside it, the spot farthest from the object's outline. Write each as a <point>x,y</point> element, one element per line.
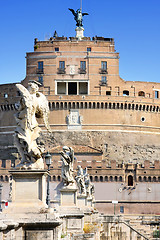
<point>68,196</point>
<point>82,200</point>
<point>28,191</point>
<point>79,33</point>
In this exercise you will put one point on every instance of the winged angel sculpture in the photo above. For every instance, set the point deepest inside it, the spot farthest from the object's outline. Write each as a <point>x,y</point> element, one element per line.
<point>32,105</point>
<point>78,16</point>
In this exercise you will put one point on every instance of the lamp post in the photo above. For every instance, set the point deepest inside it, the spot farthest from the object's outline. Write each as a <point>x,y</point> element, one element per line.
<point>1,196</point>
<point>48,160</point>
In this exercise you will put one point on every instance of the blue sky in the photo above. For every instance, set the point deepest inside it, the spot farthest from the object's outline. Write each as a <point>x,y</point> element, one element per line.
<point>134,24</point>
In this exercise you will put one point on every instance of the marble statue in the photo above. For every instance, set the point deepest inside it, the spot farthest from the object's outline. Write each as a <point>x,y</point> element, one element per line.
<point>67,165</point>
<point>78,16</point>
<point>32,105</point>
<point>89,186</point>
<point>80,180</point>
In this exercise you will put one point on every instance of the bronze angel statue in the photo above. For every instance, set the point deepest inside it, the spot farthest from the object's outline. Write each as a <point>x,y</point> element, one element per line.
<point>32,105</point>
<point>78,16</point>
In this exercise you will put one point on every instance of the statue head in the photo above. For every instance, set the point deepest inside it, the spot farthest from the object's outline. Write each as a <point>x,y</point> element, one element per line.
<point>66,149</point>
<point>33,86</point>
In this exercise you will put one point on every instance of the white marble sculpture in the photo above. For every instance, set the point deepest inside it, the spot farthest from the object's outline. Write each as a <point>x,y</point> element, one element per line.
<point>67,165</point>
<point>80,179</point>
<point>32,105</point>
<point>89,186</point>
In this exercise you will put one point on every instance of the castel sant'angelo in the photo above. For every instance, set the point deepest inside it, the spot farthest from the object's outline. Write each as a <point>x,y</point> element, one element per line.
<point>112,124</point>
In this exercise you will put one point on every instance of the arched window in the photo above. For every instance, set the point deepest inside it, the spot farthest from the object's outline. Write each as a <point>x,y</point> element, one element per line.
<point>130,180</point>
<point>111,178</point>
<point>101,179</point>
<point>140,179</point>
<point>54,178</point>
<point>59,178</point>
<point>154,179</point>
<point>141,94</point>
<point>125,93</point>
<point>106,178</point>
<point>6,178</point>
<point>57,105</point>
<point>120,178</point>
<point>96,179</point>
<point>91,178</point>
<point>145,179</point>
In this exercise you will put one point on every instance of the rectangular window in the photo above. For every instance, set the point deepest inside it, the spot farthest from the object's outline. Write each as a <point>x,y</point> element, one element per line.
<point>83,65</point>
<point>57,49</point>
<point>104,65</point>
<point>40,65</point>
<point>108,93</point>
<point>62,65</point>
<point>61,88</point>
<point>3,163</point>
<point>88,49</point>
<point>121,209</point>
<point>83,88</point>
<point>104,80</point>
<point>40,79</point>
<point>156,94</point>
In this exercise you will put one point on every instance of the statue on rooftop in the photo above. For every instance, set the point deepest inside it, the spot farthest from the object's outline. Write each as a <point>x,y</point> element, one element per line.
<point>32,105</point>
<point>78,16</point>
<point>67,165</point>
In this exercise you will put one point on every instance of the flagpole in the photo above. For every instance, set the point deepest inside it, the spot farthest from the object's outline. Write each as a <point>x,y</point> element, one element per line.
<point>81,5</point>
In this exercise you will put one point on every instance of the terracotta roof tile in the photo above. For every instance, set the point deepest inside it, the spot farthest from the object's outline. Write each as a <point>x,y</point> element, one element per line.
<point>77,149</point>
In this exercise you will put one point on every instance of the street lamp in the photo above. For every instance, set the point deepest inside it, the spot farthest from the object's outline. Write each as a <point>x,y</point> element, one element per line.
<point>48,160</point>
<point>1,196</point>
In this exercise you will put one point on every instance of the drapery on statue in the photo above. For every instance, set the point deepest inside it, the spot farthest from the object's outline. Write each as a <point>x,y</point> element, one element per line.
<point>78,16</point>
<point>80,179</point>
<point>89,186</point>
<point>67,165</point>
<point>32,105</point>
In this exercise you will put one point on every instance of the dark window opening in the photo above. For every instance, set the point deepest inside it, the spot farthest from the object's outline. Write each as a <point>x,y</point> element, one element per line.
<point>40,80</point>
<point>130,180</point>
<point>125,93</point>
<point>103,80</point>
<point>82,69</point>
<point>4,163</point>
<point>88,49</point>
<point>141,94</point>
<point>56,49</point>
<point>104,65</point>
<point>121,209</point>
<point>156,94</point>
<point>108,93</point>
<point>96,179</point>
<point>101,179</point>
<point>72,88</point>
<point>40,67</point>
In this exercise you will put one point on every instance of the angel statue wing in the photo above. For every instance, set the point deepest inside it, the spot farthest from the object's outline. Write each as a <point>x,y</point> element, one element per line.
<point>84,14</point>
<point>42,110</point>
<point>27,102</point>
<point>73,12</point>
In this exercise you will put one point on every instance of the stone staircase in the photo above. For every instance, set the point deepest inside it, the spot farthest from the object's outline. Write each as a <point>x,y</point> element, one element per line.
<point>128,227</point>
